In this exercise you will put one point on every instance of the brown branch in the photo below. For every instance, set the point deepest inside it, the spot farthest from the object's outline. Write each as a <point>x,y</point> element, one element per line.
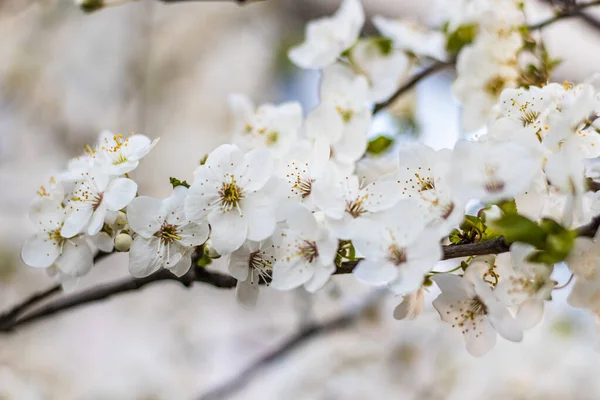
<point>567,12</point>
<point>341,321</point>
<point>24,314</point>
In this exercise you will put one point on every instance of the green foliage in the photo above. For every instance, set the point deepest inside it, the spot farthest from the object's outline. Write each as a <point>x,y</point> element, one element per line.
<point>346,252</point>
<point>89,6</point>
<point>472,230</point>
<point>508,206</point>
<point>385,45</point>
<point>205,259</point>
<point>379,145</point>
<point>462,36</point>
<point>176,182</point>
<point>552,241</point>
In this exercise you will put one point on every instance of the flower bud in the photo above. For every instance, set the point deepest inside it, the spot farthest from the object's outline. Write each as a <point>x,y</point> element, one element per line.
<point>90,6</point>
<point>210,251</point>
<point>121,218</point>
<point>123,242</point>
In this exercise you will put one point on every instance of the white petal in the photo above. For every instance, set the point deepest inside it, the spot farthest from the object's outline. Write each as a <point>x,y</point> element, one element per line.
<point>375,272</point>
<point>224,159</point>
<point>144,257</point>
<point>172,209</point>
<point>256,169</point>
<point>246,293</point>
<point>193,234</point>
<point>104,242</point>
<point>238,264</point>
<point>290,275</point>
<point>142,215</point>
<point>319,278</point>
<point>183,265</point>
<point>228,231</point>
<point>77,220</point>
<point>530,313</point>
<point>325,122</point>
<point>481,340</point>
<point>97,220</point>
<point>119,193</point>
<point>39,251</point>
<point>259,214</point>
<point>76,258</point>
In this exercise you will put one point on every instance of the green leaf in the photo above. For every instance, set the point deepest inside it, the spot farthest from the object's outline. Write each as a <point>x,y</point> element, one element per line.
<point>176,182</point>
<point>454,237</point>
<point>516,228</point>
<point>379,145</point>
<point>508,206</point>
<point>204,260</point>
<point>462,36</point>
<point>385,45</point>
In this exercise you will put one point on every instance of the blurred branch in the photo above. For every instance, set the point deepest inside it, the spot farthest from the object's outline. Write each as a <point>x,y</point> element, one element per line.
<point>341,321</point>
<point>22,314</point>
<point>433,68</point>
<point>568,10</point>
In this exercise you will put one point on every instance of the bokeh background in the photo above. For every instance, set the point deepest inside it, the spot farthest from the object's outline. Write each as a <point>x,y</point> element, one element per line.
<point>166,70</point>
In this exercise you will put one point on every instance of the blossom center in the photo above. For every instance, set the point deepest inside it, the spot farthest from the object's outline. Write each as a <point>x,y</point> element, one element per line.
<point>168,233</point>
<point>230,195</point>
<point>425,182</point>
<point>396,255</point>
<point>355,207</point>
<point>308,251</point>
<point>261,265</point>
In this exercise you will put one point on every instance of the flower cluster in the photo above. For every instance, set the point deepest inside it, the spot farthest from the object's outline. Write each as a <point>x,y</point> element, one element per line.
<point>295,196</point>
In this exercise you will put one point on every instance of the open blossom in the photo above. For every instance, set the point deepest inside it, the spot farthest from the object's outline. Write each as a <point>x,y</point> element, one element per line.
<point>584,263</point>
<point>232,191</point>
<point>164,236</point>
<point>516,282</point>
<point>95,196</point>
<point>491,171</point>
<point>398,252</point>
<point>251,264</point>
<point>422,175</point>
<point>472,308</point>
<point>71,256</point>
<point>412,37</point>
<point>306,255</point>
<point>384,67</point>
<point>326,38</point>
<point>120,154</point>
<point>359,206</point>
<point>274,127</point>
<point>342,118</point>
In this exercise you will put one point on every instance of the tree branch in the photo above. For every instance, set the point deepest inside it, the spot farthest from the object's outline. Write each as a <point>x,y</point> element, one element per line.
<point>341,321</point>
<point>23,314</point>
<point>568,12</point>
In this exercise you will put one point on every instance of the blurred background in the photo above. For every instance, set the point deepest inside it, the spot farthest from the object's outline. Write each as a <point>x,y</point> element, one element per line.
<point>166,70</point>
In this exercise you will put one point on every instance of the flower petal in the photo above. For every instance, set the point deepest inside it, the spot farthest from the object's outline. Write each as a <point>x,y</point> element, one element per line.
<point>142,215</point>
<point>77,220</point>
<point>39,251</point>
<point>246,293</point>
<point>76,258</point>
<point>144,257</point>
<point>228,231</point>
<point>119,193</point>
<point>375,272</point>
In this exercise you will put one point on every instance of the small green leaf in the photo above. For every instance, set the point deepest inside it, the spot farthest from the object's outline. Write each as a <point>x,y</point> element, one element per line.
<point>455,237</point>
<point>379,145</point>
<point>462,36</point>
<point>385,45</point>
<point>204,260</point>
<point>176,182</point>
<point>516,228</point>
<point>508,206</point>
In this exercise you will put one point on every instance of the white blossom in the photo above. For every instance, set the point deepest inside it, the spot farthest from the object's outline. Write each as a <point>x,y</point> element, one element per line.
<point>232,191</point>
<point>121,154</point>
<point>399,251</point>
<point>96,197</point>
<point>306,255</point>
<point>164,236</point>
<point>72,256</point>
<point>251,264</point>
<point>413,37</point>
<point>472,308</point>
<point>326,38</point>
<point>274,127</point>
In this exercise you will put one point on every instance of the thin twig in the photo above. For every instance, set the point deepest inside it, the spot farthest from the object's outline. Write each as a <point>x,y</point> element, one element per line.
<point>341,321</point>
<point>571,11</point>
<point>433,68</point>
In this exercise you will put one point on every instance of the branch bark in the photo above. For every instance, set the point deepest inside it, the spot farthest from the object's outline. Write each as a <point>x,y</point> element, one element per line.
<point>23,313</point>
